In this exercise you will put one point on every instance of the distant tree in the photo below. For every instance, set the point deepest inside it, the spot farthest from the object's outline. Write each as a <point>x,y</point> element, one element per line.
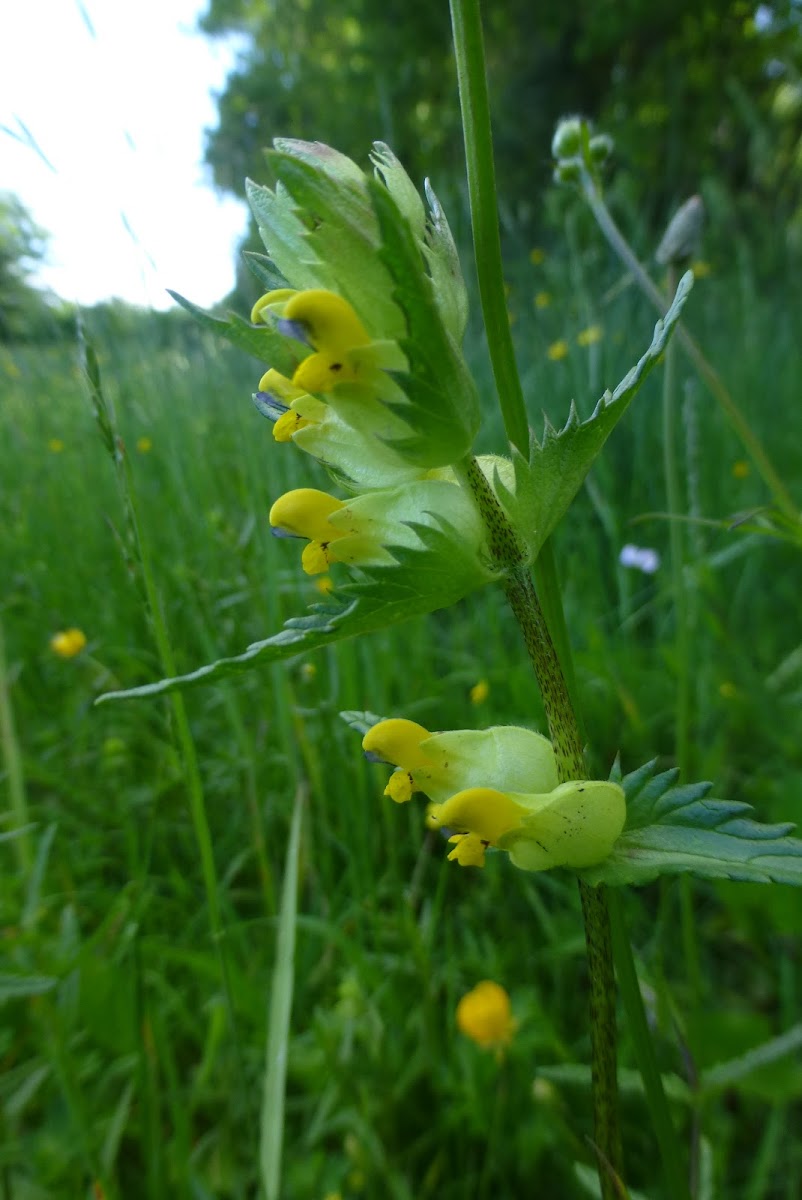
<point>23,307</point>
<point>686,87</point>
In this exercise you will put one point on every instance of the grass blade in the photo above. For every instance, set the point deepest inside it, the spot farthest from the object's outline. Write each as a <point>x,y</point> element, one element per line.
<point>278,1028</point>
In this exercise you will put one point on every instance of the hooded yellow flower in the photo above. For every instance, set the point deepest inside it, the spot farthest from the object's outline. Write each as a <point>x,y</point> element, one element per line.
<point>365,530</point>
<point>499,788</point>
<point>373,296</point>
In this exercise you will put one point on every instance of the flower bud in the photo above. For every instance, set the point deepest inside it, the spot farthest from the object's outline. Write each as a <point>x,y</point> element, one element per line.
<point>681,239</point>
<point>567,140</point>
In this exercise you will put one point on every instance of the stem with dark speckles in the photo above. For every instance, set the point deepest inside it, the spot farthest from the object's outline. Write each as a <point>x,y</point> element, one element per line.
<point>566,739</point>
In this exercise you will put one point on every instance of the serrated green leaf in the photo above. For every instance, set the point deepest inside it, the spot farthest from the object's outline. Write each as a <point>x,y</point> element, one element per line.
<point>546,485</point>
<point>264,269</point>
<point>674,830</point>
<point>422,579</point>
<point>283,235</point>
<point>442,402</point>
<point>259,340</point>
<point>448,284</point>
<point>340,231</point>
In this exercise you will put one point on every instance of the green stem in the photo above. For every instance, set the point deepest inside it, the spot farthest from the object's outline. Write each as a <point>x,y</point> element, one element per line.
<point>682,633</point>
<point>670,1149</point>
<point>676,542</point>
<point>750,441</point>
<point>567,742</point>
<point>466,23</point>
<point>469,52</point>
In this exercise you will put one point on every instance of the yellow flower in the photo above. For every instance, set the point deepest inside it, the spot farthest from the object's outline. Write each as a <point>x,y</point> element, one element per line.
<point>474,780</point>
<point>740,469</point>
<point>574,825</point>
<point>558,350</point>
<point>305,513</point>
<point>55,445</point>
<point>727,690</point>
<point>325,585</point>
<point>308,672</point>
<point>589,336</point>
<point>701,268</point>
<point>485,1016</point>
<point>537,256</point>
<point>479,692</point>
<point>68,642</point>
<point>364,529</point>
<point>342,349</point>
<point>144,445</point>
<point>542,299</point>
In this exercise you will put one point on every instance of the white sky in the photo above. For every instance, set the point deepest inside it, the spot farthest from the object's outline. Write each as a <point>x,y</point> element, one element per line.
<point>119,113</point>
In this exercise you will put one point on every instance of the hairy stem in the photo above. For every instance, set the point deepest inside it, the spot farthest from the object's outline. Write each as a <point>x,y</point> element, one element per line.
<point>567,742</point>
<point>565,736</point>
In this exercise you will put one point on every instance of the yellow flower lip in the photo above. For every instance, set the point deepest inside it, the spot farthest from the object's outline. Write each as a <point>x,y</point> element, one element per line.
<point>329,321</point>
<point>485,812</point>
<point>263,306</point>
<point>396,741</point>
<point>305,513</point>
<point>469,849</point>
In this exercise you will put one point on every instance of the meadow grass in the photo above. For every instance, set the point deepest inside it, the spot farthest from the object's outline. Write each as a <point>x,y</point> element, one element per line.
<point>133,1046</point>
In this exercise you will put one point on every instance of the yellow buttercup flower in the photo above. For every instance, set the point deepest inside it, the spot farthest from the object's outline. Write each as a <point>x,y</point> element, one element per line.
<point>485,1016</point>
<point>542,299</point>
<point>537,256</point>
<point>68,642</point>
<point>55,445</point>
<point>144,445</point>
<point>740,469</point>
<point>701,268</point>
<point>557,350</point>
<point>589,336</point>
<point>479,692</point>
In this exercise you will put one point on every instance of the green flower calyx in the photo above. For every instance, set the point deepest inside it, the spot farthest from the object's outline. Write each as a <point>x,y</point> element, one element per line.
<point>365,530</point>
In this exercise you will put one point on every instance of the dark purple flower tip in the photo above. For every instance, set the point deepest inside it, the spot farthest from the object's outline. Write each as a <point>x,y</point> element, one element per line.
<point>269,405</point>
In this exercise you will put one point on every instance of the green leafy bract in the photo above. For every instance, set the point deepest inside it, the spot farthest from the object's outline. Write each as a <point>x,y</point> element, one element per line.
<point>442,405</point>
<point>338,230</point>
<point>261,341</point>
<point>434,575</point>
<point>674,830</point>
<point>546,485</point>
